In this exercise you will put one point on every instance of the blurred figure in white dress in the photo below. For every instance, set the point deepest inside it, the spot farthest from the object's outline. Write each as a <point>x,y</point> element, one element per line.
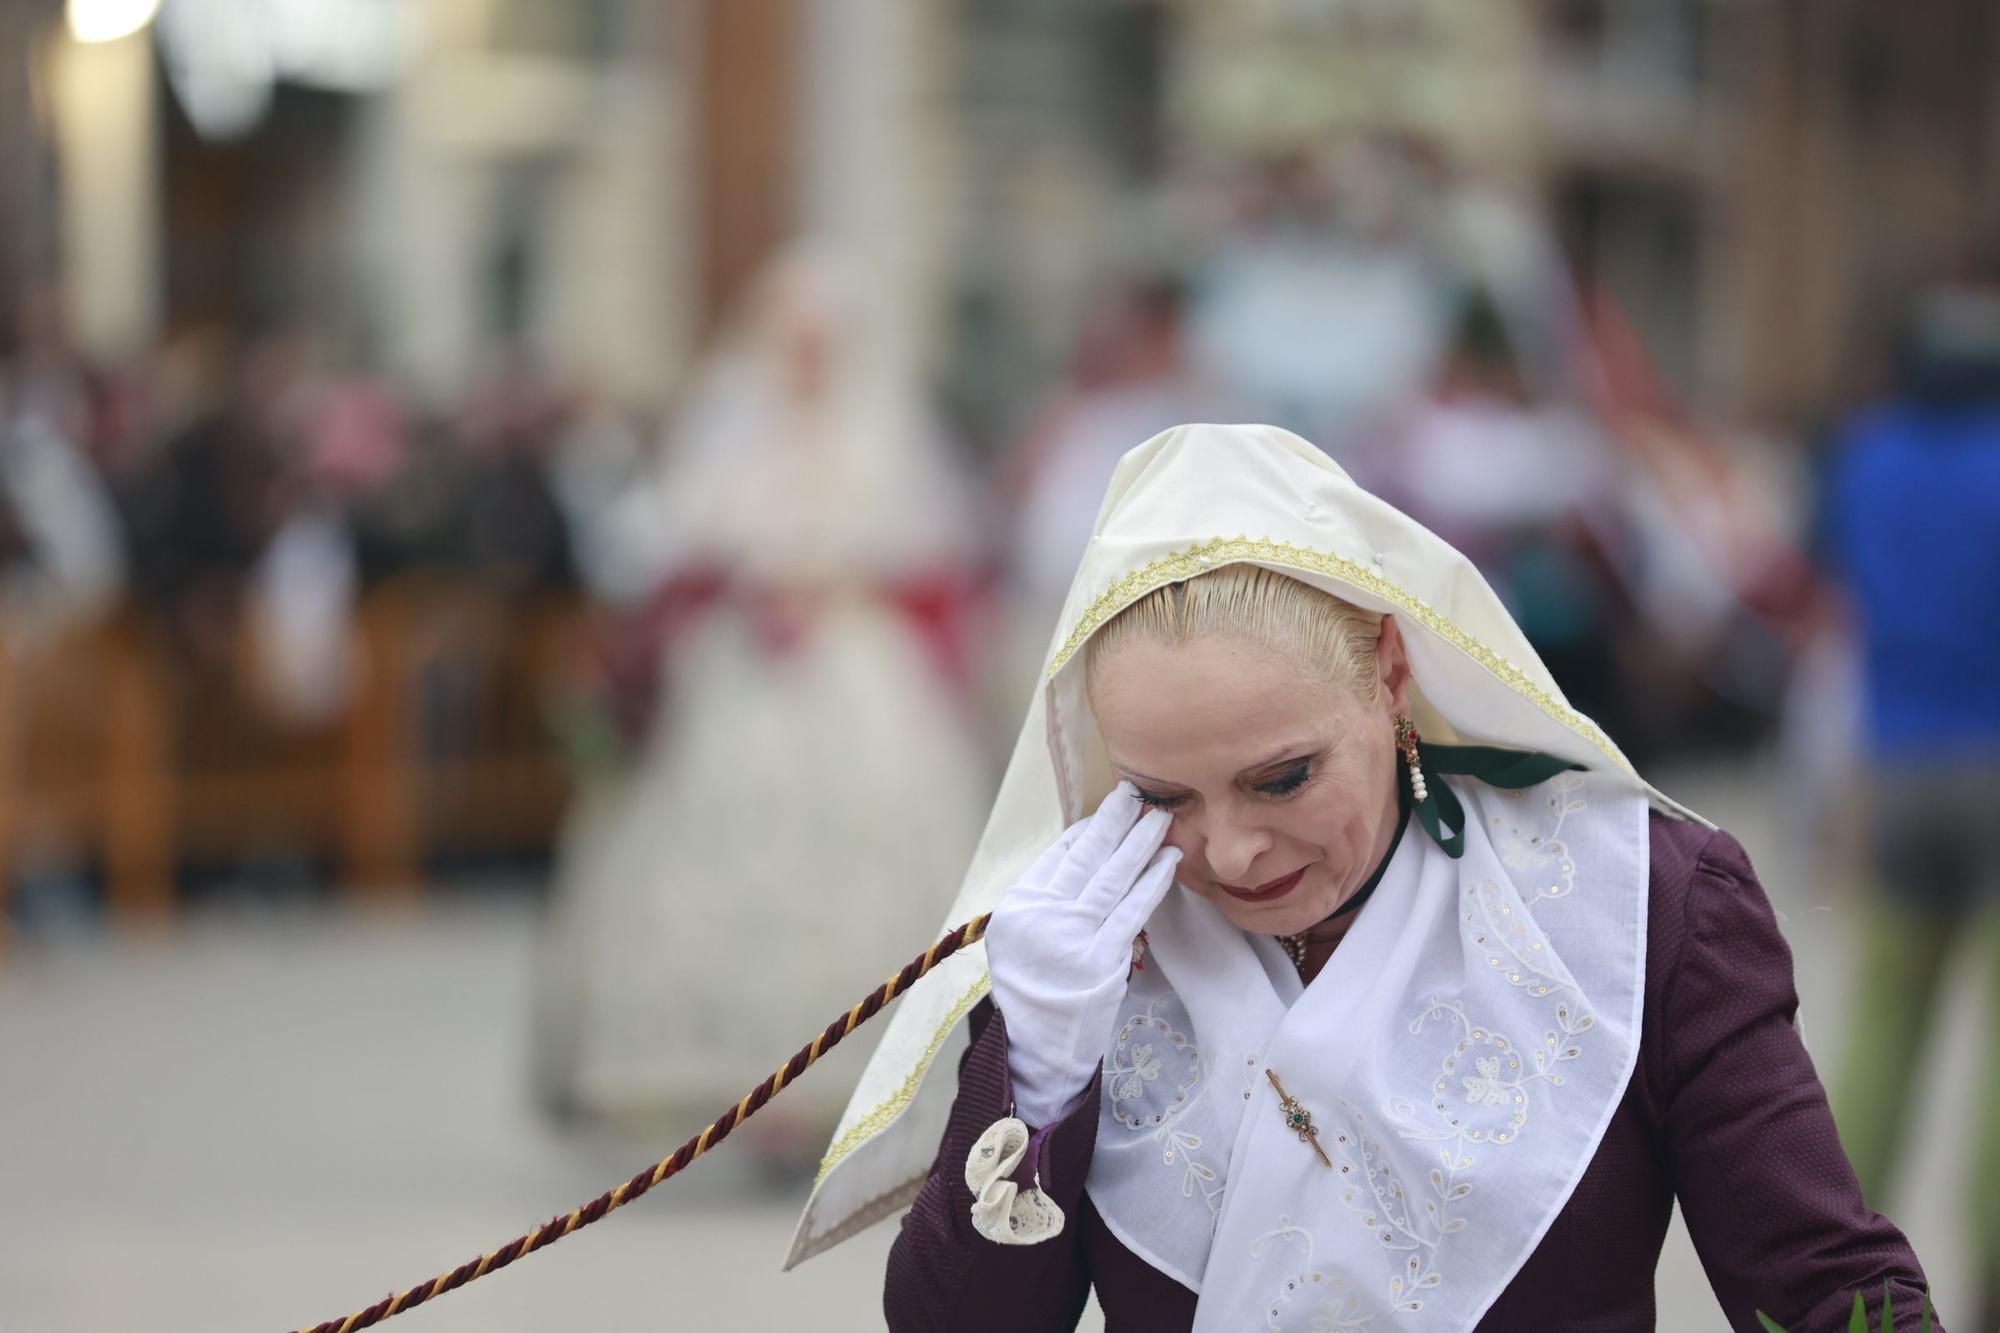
<point>807,777</point>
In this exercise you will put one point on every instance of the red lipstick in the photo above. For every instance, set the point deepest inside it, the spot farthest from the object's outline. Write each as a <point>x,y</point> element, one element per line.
<point>1268,892</point>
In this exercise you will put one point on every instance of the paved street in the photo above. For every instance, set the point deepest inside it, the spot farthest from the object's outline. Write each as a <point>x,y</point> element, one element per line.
<point>257,1121</point>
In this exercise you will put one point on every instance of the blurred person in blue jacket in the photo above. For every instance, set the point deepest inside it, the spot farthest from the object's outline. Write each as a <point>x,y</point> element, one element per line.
<point>1913,532</point>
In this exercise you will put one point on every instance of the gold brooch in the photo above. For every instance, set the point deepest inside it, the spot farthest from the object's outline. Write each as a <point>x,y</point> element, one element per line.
<point>1297,1118</point>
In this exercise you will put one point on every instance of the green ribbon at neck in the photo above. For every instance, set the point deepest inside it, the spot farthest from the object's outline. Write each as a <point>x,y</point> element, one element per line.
<point>1506,769</point>
<point>1497,768</point>
<point>1361,895</point>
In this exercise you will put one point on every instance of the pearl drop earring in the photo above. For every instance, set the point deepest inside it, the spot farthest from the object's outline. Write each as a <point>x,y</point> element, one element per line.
<point>1406,741</point>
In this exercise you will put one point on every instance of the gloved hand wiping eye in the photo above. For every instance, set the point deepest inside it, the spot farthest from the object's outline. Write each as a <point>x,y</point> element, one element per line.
<point>1059,947</point>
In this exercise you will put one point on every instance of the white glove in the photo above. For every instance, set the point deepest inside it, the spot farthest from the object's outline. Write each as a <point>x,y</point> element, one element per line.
<point>1060,948</point>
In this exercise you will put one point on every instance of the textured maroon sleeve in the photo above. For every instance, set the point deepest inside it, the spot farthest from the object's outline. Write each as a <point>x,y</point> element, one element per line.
<point>943,1275</point>
<point>1770,1200</point>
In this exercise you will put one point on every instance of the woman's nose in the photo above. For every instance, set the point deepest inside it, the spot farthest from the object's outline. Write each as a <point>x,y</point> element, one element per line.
<point>1232,849</point>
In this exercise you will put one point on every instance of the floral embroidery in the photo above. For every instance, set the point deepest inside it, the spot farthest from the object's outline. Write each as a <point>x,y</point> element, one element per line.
<point>1135,1062</point>
<point>1484,1088</point>
<point>1130,1080</point>
<point>1493,1110</point>
<point>1369,1187</point>
<point>1515,946</point>
<point>1132,1066</point>
<point>1333,1306</point>
<point>1543,858</point>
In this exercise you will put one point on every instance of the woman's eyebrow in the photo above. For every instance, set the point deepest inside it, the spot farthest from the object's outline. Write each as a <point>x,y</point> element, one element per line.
<point>1290,754</point>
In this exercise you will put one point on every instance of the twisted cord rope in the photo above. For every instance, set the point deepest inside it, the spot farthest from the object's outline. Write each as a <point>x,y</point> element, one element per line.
<point>563,1224</point>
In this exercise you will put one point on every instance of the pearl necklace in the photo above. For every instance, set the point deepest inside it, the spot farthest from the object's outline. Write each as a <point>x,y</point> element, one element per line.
<point>1295,949</point>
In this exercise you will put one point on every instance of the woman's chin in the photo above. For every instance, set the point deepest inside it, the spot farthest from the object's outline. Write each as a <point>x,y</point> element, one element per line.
<point>1287,918</point>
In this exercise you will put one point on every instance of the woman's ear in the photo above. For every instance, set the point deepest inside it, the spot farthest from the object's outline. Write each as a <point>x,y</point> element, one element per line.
<point>1392,666</point>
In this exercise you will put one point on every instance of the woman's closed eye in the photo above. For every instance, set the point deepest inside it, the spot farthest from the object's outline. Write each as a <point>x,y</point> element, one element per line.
<point>1285,784</point>
<point>1288,782</point>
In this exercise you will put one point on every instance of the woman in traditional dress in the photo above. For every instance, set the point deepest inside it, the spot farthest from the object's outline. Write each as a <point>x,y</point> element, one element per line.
<point>806,541</point>
<point>1379,992</point>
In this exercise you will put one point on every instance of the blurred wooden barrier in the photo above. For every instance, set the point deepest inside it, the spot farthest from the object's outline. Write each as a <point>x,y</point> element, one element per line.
<point>119,759</point>
<point>80,760</point>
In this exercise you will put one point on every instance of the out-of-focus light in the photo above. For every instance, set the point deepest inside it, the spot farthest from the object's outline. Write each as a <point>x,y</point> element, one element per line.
<point>108,20</point>
<point>224,57</point>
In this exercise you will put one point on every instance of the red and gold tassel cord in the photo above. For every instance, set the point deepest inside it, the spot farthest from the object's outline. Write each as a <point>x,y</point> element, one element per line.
<point>562,1225</point>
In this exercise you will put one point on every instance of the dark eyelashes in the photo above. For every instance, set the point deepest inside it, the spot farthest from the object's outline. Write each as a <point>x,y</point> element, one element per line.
<point>1282,786</point>
<point>1291,781</point>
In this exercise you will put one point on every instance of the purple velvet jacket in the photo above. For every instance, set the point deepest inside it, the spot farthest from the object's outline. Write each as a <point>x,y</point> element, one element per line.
<point>1724,1112</point>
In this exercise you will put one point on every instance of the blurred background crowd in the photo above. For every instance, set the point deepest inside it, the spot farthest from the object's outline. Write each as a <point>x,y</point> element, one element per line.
<point>560,502</point>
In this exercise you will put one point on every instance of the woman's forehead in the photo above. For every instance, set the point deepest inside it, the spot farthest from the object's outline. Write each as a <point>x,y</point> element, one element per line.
<point>1214,706</point>
<point>1144,672</point>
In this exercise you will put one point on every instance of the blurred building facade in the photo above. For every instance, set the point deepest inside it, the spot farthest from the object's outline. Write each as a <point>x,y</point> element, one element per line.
<point>420,180</point>
<point>431,175</point>
<point>477,226</point>
<point>1759,180</point>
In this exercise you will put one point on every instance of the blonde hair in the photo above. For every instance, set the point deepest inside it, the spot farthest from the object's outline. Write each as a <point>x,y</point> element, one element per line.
<point>1270,609</point>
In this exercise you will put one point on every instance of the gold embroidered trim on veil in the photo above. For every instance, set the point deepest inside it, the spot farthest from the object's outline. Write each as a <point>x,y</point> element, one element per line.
<point>878,1119</point>
<point>1205,556</point>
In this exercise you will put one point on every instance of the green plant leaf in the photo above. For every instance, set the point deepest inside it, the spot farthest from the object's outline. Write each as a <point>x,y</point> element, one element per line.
<point>1858,1322</point>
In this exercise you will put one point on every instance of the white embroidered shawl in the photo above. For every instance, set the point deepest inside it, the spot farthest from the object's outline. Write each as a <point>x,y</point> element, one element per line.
<point>1461,1054</point>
